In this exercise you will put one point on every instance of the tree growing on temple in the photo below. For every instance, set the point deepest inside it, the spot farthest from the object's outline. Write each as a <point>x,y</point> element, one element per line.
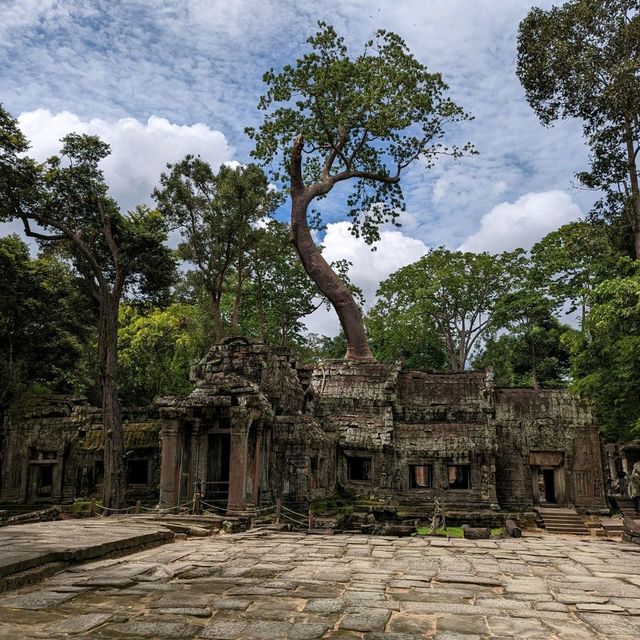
<point>582,60</point>
<point>334,118</point>
<point>64,203</point>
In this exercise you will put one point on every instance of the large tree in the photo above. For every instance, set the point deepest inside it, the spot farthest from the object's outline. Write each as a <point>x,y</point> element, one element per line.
<point>64,203</point>
<point>569,262</point>
<point>532,351</point>
<point>453,293</point>
<point>333,118</point>
<point>217,216</point>
<point>582,60</point>
<point>605,358</point>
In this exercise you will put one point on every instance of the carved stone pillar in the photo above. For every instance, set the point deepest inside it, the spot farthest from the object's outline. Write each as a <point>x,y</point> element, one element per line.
<point>240,423</point>
<point>170,463</point>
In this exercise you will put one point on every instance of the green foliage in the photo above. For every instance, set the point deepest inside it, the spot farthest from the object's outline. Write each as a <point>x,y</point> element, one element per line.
<point>510,356</point>
<point>157,349</point>
<point>581,60</point>
<point>606,357</point>
<point>218,218</point>
<point>42,335</point>
<point>568,263</point>
<point>361,117</point>
<point>402,334</point>
<point>317,347</point>
<point>534,332</point>
<point>450,294</point>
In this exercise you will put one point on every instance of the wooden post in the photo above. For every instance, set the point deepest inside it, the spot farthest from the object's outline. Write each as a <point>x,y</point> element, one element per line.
<point>312,520</point>
<point>278,510</point>
<point>138,507</point>
<point>196,504</point>
<point>92,508</point>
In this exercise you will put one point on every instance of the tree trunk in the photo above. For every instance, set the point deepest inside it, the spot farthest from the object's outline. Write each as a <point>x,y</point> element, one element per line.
<point>260,302</point>
<point>534,372</point>
<point>331,286</point>
<point>217,316</point>
<point>235,312</point>
<point>635,186</point>
<point>113,485</point>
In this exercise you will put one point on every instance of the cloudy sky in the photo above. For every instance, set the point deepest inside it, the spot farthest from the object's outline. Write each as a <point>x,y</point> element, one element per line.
<point>161,78</point>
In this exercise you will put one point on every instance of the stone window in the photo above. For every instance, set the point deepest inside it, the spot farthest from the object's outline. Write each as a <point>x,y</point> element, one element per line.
<point>420,476</point>
<point>459,476</point>
<point>137,472</point>
<point>358,469</point>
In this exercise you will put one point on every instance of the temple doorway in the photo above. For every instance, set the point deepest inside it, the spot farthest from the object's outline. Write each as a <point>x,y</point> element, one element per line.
<point>216,487</point>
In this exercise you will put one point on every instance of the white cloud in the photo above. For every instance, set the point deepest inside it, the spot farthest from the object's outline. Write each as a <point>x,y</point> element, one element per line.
<point>395,250</point>
<point>510,225</point>
<point>139,151</point>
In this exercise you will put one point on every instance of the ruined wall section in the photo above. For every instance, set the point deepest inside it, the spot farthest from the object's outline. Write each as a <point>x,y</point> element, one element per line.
<point>530,422</point>
<point>271,369</point>
<point>442,421</point>
<point>53,446</point>
<point>302,461</point>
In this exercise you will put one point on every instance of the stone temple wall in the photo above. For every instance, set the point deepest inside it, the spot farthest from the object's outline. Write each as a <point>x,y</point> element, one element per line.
<point>268,427</point>
<point>533,424</point>
<point>53,451</point>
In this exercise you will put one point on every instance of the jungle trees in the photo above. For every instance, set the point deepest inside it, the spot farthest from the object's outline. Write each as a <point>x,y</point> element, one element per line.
<point>64,204</point>
<point>582,60</point>
<point>334,118</point>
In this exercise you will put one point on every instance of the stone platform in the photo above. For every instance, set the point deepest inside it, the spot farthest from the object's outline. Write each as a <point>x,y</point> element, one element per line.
<point>283,585</point>
<point>29,552</point>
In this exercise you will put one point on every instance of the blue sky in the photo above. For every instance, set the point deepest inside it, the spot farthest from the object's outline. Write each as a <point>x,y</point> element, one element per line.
<point>161,78</point>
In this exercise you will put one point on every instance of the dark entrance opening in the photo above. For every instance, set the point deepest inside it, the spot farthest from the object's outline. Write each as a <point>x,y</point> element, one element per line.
<point>45,481</point>
<point>217,485</point>
<point>549,486</point>
<point>359,469</point>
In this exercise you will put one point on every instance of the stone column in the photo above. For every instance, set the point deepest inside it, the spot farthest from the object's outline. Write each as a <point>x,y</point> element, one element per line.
<point>169,462</point>
<point>195,456</point>
<point>240,423</point>
<point>257,466</point>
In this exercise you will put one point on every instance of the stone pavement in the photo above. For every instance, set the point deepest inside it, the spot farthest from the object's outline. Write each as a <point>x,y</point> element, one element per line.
<point>282,585</point>
<point>31,551</point>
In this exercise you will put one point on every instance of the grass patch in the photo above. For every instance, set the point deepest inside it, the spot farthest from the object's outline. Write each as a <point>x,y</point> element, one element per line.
<point>450,532</point>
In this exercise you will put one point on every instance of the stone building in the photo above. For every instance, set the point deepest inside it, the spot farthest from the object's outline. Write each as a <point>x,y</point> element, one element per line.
<point>260,426</point>
<point>52,452</point>
<point>395,438</point>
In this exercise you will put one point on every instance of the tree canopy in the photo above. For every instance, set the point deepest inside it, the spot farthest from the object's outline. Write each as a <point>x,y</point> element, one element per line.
<point>582,60</point>
<point>453,294</point>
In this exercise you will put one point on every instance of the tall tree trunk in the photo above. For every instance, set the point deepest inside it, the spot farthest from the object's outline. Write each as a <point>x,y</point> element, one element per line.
<point>217,316</point>
<point>235,312</point>
<point>260,302</point>
<point>534,371</point>
<point>113,485</point>
<point>331,286</point>
<point>635,186</point>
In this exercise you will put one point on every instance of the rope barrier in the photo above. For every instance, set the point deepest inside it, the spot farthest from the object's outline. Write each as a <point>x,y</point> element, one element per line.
<point>296,513</point>
<point>300,522</point>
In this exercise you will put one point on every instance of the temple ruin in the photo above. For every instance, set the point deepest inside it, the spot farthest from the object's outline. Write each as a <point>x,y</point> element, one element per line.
<point>260,426</point>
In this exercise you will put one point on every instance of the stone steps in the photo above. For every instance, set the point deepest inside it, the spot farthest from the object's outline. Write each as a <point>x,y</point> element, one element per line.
<point>562,520</point>
<point>612,526</point>
<point>627,508</point>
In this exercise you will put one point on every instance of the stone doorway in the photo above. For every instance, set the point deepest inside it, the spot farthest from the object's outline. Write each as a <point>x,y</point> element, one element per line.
<point>548,482</point>
<point>549,486</point>
<point>216,487</point>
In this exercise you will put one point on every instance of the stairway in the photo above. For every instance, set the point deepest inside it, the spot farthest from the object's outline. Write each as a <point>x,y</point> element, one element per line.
<point>562,520</point>
<point>626,507</point>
